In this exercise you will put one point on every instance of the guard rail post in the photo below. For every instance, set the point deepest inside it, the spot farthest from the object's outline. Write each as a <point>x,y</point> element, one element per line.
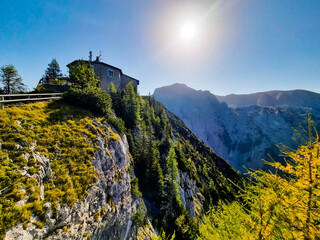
<point>2,103</point>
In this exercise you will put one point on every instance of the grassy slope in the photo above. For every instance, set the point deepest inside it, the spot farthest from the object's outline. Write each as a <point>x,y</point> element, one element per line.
<point>66,135</point>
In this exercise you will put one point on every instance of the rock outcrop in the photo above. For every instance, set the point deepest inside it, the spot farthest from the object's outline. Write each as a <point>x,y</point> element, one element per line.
<point>190,195</point>
<point>103,213</point>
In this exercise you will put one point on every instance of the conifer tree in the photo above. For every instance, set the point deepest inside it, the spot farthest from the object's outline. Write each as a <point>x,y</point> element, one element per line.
<point>112,90</point>
<point>131,106</point>
<point>53,70</point>
<point>172,177</point>
<point>11,80</point>
<point>116,99</point>
<point>165,124</point>
<point>158,172</point>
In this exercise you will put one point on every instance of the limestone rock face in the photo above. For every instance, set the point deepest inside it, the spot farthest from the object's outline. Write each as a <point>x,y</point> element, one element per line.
<point>104,213</point>
<point>190,195</point>
<point>243,134</point>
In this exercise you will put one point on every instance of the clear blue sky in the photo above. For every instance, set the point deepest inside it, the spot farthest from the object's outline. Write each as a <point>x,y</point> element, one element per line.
<point>239,46</point>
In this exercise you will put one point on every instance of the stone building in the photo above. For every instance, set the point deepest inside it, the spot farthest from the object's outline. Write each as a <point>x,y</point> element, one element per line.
<point>108,74</point>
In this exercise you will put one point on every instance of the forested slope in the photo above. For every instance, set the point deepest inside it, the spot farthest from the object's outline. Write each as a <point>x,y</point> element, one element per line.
<point>90,165</point>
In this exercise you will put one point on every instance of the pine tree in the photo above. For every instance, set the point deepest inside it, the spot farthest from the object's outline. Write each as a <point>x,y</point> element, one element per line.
<point>112,90</point>
<point>131,106</point>
<point>11,80</point>
<point>53,71</point>
<point>172,177</point>
<point>165,125</point>
<point>158,172</point>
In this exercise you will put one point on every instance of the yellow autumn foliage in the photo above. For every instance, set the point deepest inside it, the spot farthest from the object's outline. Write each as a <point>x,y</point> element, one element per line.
<point>284,204</point>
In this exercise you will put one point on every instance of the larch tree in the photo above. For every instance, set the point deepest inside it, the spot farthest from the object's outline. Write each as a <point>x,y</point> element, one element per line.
<point>11,80</point>
<point>302,202</point>
<point>284,204</point>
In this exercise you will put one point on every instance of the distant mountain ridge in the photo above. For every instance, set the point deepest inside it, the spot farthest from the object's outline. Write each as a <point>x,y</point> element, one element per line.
<point>247,132</point>
<point>301,98</point>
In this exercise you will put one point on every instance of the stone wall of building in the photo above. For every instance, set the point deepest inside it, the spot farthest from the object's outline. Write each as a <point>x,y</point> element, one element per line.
<point>126,79</point>
<point>102,71</point>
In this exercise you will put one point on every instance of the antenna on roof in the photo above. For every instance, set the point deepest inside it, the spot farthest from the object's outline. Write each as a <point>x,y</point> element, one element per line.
<point>90,56</point>
<point>98,58</point>
<point>100,54</point>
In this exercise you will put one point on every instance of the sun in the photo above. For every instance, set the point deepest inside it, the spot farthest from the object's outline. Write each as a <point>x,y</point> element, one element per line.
<point>188,31</point>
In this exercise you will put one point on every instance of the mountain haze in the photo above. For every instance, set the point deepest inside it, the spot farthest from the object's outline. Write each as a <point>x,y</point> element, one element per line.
<point>300,98</point>
<point>244,135</point>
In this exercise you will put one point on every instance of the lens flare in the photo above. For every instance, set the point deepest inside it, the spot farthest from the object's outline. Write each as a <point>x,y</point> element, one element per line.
<point>188,31</point>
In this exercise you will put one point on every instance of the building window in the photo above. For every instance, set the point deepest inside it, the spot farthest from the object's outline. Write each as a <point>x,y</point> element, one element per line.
<point>110,73</point>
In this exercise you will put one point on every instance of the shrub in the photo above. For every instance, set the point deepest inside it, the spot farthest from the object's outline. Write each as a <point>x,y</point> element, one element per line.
<point>139,218</point>
<point>65,228</point>
<point>135,188</point>
<point>117,123</point>
<point>82,75</point>
<point>38,224</point>
<point>92,98</point>
<point>42,89</point>
<point>97,216</point>
<point>70,197</point>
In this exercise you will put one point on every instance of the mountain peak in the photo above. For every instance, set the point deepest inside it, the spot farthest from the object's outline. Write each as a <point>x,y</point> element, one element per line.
<point>246,134</point>
<point>177,87</point>
<point>301,98</point>
<point>178,90</point>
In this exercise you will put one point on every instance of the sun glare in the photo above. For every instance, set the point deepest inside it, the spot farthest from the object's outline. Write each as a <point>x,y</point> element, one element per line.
<point>188,31</point>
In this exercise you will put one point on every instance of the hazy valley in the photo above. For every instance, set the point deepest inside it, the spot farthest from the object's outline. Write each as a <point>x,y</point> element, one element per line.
<point>242,129</point>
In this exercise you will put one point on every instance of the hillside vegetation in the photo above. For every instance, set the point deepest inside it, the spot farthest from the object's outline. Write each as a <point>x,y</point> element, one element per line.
<point>117,165</point>
<point>61,133</point>
<point>281,205</point>
<point>176,174</point>
<point>164,150</point>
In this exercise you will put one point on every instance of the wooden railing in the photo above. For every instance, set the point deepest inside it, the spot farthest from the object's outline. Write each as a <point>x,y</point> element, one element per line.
<point>25,97</point>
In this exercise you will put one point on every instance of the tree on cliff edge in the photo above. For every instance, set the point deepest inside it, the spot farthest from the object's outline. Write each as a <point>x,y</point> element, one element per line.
<point>11,80</point>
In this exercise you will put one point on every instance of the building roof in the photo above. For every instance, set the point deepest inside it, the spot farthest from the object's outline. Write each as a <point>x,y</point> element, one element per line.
<point>95,62</point>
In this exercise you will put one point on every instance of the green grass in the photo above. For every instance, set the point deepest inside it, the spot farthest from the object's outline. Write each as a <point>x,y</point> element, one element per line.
<point>66,136</point>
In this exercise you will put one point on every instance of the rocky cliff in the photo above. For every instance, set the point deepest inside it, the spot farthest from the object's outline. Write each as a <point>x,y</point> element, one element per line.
<point>66,172</point>
<point>105,209</point>
<point>243,136</point>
